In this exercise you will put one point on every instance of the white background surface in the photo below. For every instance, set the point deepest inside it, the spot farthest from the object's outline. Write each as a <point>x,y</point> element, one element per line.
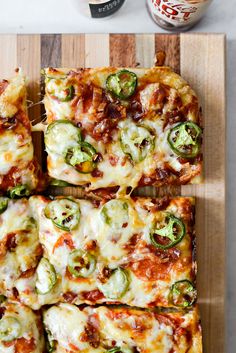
<point>63,16</point>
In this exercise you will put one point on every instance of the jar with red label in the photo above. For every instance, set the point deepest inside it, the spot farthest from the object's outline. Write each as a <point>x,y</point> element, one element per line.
<point>177,15</point>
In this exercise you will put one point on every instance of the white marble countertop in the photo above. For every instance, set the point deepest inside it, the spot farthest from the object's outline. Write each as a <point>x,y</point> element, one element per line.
<point>63,16</point>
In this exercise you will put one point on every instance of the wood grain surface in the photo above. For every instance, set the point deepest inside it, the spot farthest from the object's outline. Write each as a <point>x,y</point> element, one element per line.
<point>200,58</point>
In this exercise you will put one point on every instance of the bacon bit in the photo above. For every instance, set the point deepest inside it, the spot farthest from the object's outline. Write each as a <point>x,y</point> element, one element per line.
<point>28,273</point>
<point>160,58</point>
<point>113,159</point>
<point>3,86</point>
<point>132,243</point>
<point>158,204</point>
<point>90,335</point>
<point>15,293</point>
<point>91,245</point>
<point>65,239</point>
<point>115,111</point>
<point>104,274</point>
<point>2,311</point>
<point>103,130</point>
<point>73,347</point>
<point>69,297</point>
<point>96,173</point>
<point>11,242</point>
<point>25,346</point>
<point>87,97</point>
<point>160,96</point>
<point>98,158</point>
<point>135,111</point>
<point>92,296</point>
<point>172,117</point>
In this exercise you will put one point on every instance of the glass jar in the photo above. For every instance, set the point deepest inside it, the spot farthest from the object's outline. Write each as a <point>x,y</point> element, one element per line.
<point>177,15</point>
<point>100,8</point>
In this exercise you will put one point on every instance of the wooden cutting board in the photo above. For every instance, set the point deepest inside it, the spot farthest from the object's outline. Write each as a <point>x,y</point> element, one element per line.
<point>200,58</point>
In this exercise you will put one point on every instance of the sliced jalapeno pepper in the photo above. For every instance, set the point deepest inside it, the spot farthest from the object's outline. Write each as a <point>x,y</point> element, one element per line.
<point>170,235</point>
<point>183,294</point>
<point>120,350</point>
<point>137,142</point>
<point>116,285</point>
<point>50,342</point>
<point>10,328</point>
<point>185,139</point>
<point>115,213</point>
<point>122,84</point>
<point>3,204</point>
<point>82,157</point>
<point>60,92</point>
<point>19,191</point>
<point>81,263</point>
<point>46,276</point>
<point>60,135</point>
<point>64,213</point>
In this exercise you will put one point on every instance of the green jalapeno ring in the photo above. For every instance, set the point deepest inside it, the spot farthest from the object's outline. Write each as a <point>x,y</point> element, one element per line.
<point>19,191</point>
<point>169,232</point>
<point>81,263</point>
<point>122,84</point>
<point>82,157</point>
<point>115,213</point>
<point>179,139</point>
<point>10,328</point>
<point>59,133</point>
<point>69,93</point>
<point>46,277</point>
<point>3,204</point>
<point>64,213</point>
<point>183,294</point>
<point>117,284</point>
<point>50,342</point>
<point>136,146</point>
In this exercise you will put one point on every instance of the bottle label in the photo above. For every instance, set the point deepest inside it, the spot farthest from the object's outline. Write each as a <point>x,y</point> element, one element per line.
<point>105,8</point>
<point>179,12</point>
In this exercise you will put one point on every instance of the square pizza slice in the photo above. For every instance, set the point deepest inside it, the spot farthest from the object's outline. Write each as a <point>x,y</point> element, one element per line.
<point>135,251</point>
<point>110,127</point>
<point>21,329</point>
<point>122,330</point>
<point>19,171</point>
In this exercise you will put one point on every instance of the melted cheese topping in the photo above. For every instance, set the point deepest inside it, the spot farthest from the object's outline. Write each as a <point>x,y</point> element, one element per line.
<point>125,328</point>
<point>16,148</point>
<point>124,172</point>
<point>111,249</point>
<point>17,222</point>
<point>13,97</point>
<point>30,329</point>
<point>14,151</point>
